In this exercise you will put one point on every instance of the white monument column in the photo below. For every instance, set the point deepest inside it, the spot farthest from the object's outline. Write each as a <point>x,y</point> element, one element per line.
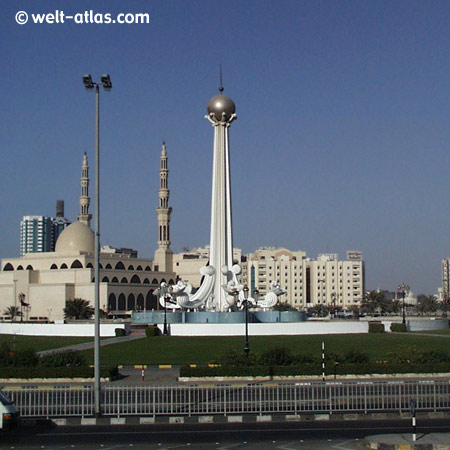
<point>221,113</point>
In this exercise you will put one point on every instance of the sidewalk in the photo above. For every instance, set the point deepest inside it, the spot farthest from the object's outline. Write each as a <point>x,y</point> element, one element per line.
<point>89,345</point>
<point>435,441</point>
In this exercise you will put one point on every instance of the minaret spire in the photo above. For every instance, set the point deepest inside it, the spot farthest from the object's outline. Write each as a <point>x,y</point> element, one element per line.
<point>163,255</point>
<point>84,216</point>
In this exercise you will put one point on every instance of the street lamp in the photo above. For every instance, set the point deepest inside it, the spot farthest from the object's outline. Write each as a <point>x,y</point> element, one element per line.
<point>256,295</point>
<point>165,331</point>
<point>402,289</point>
<point>246,346</point>
<point>89,84</point>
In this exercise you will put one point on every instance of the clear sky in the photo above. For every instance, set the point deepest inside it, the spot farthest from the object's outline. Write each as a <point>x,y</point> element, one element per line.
<point>341,143</point>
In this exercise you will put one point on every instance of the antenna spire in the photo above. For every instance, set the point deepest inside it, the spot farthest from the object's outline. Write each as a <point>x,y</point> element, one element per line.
<point>221,84</point>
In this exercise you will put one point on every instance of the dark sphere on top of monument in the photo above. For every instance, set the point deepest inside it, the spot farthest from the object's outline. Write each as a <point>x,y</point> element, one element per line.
<point>221,104</point>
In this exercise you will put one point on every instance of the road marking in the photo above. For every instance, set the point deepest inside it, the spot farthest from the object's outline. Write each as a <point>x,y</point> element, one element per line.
<point>343,445</point>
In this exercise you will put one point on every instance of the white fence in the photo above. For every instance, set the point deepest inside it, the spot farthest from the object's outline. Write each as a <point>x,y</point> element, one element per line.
<point>284,398</point>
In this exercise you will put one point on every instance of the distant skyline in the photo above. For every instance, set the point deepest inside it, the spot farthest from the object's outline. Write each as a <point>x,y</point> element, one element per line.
<point>341,143</point>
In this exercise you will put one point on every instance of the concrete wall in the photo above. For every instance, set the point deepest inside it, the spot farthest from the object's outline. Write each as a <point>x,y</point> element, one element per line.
<point>69,329</point>
<point>267,329</point>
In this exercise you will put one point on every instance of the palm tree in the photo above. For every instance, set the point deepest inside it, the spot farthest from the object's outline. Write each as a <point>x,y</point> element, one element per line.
<point>427,304</point>
<point>13,312</point>
<point>78,309</point>
<point>374,301</point>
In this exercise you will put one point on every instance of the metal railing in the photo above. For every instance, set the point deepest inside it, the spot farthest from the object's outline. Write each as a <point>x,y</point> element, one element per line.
<point>282,398</point>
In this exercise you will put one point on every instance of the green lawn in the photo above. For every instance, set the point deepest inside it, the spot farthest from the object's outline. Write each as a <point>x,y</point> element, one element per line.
<point>39,343</point>
<point>203,350</point>
<point>445,332</point>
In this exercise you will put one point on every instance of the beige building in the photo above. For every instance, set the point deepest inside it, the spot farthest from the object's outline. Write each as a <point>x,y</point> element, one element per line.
<point>307,282</point>
<point>46,281</point>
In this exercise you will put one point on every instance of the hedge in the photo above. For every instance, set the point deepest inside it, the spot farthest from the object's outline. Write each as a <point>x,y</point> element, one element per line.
<point>152,331</point>
<point>398,327</point>
<point>376,327</point>
<point>315,369</point>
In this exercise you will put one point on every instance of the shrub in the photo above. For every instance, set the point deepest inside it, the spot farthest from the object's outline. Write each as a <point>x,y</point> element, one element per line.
<point>120,332</point>
<point>152,331</point>
<point>24,358</point>
<point>376,327</point>
<point>278,356</point>
<point>433,356</point>
<point>398,327</point>
<point>113,373</point>
<point>306,359</point>
<point>355,357</point>
<point>63,359</point>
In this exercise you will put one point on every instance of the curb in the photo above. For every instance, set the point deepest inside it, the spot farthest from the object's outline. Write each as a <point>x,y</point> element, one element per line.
<point>433,441</point>
<point>233,418</point>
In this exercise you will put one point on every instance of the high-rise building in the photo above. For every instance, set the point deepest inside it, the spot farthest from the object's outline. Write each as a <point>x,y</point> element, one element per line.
<point>446,279</point>
<point>59,222</point>
<point>37,234</point>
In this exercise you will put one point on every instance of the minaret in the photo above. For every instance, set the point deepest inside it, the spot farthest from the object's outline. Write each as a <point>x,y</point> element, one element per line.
<point>84,216</point>
<point>163,255</point>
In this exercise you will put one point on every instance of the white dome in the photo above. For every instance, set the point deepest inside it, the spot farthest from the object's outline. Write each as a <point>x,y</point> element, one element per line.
<point>77,237</point>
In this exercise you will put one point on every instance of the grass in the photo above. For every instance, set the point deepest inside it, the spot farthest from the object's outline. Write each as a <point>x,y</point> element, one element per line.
<point>445,332</point>
<point>203,350</point>
<point>39,343</point>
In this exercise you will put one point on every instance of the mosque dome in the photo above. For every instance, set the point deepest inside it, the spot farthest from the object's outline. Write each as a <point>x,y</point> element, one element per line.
<point>221,104</point>
<point>77,237</point>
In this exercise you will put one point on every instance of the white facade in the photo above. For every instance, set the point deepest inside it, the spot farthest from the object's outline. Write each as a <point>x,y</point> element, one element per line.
<point>445,279</point>
<point>307,282</point>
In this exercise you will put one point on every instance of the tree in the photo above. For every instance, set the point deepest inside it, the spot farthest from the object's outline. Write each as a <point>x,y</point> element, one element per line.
<point>13,312</point>
<point>319,310</point>
<point>283,307</point>
<point>427,304</point>
<point>78,309</point>
<point>372,302</point>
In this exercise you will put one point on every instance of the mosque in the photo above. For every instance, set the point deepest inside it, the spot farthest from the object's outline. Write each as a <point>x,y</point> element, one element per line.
<point>40,284</point>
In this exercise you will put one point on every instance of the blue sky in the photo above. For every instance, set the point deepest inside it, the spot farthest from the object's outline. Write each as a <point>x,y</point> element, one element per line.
<point>341,143</point>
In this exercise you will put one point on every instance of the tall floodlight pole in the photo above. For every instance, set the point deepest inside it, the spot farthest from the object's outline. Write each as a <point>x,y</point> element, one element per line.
<point>247,344</point>
<point>90,85</point>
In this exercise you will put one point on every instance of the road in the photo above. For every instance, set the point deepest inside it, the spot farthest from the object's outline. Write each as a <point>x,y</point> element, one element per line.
<point>223,436</point>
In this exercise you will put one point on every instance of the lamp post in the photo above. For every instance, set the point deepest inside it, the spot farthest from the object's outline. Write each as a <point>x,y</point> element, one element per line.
<point>402,289</point>
<point>247,345</point>
<point>15,300</point>
<point>165,332</point>
<point>256,295</point>
<point>89,84</point>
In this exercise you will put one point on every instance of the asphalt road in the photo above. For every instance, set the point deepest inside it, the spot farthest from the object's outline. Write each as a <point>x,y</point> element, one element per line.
<point>284,436</point>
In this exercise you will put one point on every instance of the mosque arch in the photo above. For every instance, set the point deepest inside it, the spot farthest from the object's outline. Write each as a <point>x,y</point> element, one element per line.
<point>124,280</point>
<point>100,266</point>
<point>53,266</point>
<point>130,267</point>
<point>171,281</point>
<point>108,266</point>
<point>76,265</point>
<point>146,281</point>
<point>163,281</point>
<point>135,279</point>
<point>140,302</point>
<point>89,266</point>
<point>8,266</point>
<point>114,280</point>
<point>63,266</point>
<point>121,303</point>
<point>147,268</point>
<point>19,267</point>
<point>139,268</point>
<point>105,280</point>
<point>112,303</point>
<point>131,305</point>
<point>30,267</point>
<point>120,266</point>
<point>150,301</point>
<point>154,281</point>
